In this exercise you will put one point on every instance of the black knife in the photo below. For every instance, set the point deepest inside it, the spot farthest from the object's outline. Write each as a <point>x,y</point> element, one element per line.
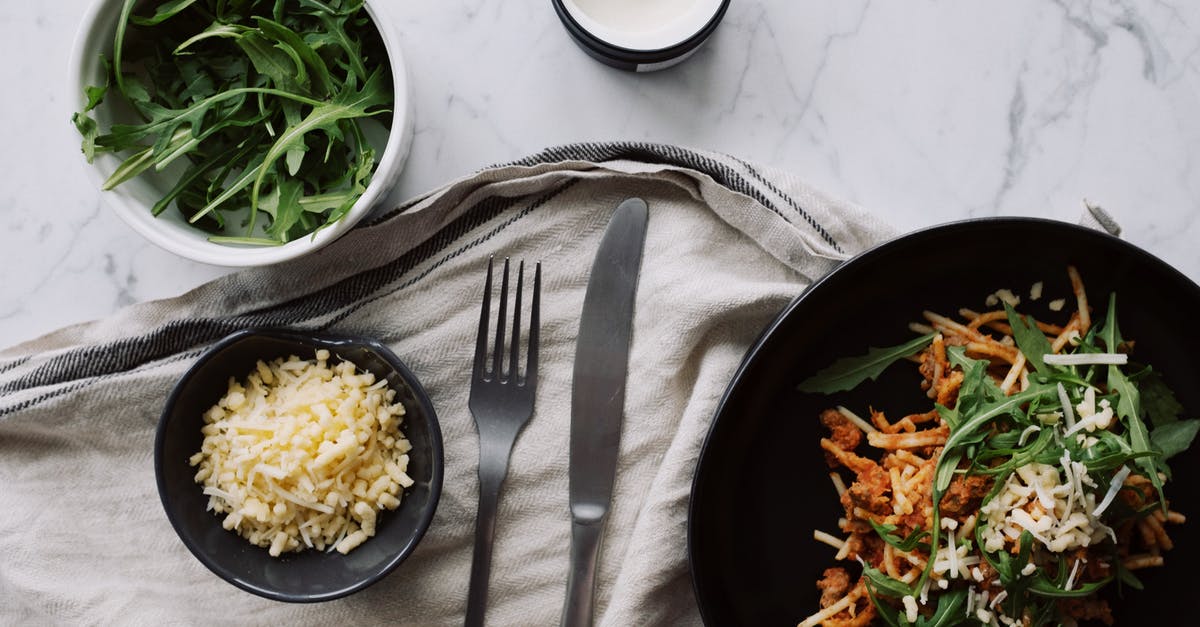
<point>598,396</point>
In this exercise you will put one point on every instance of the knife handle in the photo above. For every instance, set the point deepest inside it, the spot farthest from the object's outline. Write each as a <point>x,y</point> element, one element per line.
<point>581,582</point>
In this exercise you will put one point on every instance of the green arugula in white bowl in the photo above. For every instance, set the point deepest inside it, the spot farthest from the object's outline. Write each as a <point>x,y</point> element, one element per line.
<point>241,132</point>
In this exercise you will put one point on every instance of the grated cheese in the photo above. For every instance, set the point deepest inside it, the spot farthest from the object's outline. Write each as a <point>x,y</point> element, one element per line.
<point>830,539</point>
<point>304,454</point>
<point>910,608</point>
<point>1115,486</point>
<point>1002,296</point>
<point>1071,578</point>
<point>856,420</point>
<point>1056,510</point>
<point>838,483</point>
<point>1068,413</point>
<point>952,552</point>
<point>1091,418</point>
<point>1086,359</point>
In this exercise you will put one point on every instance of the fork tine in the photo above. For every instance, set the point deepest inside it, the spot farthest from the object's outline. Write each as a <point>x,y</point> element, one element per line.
<point>498,353</point>
<point>481,340</point>
<point>514,349</point>
<point>531,360</point>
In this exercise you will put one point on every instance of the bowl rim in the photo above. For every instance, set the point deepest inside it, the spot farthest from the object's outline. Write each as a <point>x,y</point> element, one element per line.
<point>331,342</point>
<point>700,589</point>
<point>191,243</point>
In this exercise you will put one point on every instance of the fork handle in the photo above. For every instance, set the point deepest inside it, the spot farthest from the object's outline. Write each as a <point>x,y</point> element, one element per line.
<point>493,467</point>
<point>581,582</point>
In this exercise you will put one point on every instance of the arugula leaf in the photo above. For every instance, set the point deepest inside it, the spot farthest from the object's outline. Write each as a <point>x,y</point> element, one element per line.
<point>1174,438</point>
<point>95,93</point>
<point>349,103</point>
<point>287,209</point>
<point>1128,407</point>
<point>119,46</point>
<point>335,27</point>
<point>301,53</point>
<point>144,160</point>
<point>847,372</point>
<point>972,427</point>
<point>1029,339</point>
<point>907,544</point>
<point>165,11</point>
<point>1126,576</point>
<point>216,29</point>
<point>189,177</point>
<point>272,62</point>
<point>975,388</point>
<point>949,610</point>
<point>889,614</point>
<point>1033,451</point>
<point>90,131</point>
<point>886,585</point>
<point>1042,586</point>
<point>242,182</point>
<point>1158,401</point>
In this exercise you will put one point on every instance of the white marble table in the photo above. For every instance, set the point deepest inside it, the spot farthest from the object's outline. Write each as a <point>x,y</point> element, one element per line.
<point>921,111</point>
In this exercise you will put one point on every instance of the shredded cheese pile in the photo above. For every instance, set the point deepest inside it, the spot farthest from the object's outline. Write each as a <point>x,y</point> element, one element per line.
<point>1061,514</point>
<point>304,454</point>
<point>1058,514</point>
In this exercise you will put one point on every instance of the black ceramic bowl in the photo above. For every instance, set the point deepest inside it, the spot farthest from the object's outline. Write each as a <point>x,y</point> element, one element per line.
<point>309,575</point>
<point>762,487</point>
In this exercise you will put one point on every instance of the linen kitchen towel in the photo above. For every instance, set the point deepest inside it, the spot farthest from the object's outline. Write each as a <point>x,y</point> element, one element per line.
<point>83,538</point>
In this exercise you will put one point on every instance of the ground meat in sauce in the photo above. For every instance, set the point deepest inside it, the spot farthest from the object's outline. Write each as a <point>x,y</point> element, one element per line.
<point>1092,567</point>
<point>842,432</point>
<point>991,579</point>
<point>1087,609</point>
<point>836,584</point>
<point>867,547</point>
<point>1138,492</point>
<point>871,491</point>
<point>833,585</point>
<point>965,495</point>
<point>871,549</point>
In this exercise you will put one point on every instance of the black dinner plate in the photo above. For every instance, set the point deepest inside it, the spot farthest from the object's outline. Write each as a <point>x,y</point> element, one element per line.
<point>761,485</point>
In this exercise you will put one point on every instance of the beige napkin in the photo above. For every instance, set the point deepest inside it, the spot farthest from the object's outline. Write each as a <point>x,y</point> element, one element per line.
<point>83,538</point>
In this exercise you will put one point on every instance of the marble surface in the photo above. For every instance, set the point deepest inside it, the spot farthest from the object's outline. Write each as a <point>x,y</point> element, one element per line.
<point>921,111</point>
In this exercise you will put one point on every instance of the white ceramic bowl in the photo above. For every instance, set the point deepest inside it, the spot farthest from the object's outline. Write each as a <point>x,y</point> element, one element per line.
<point>133,199</point>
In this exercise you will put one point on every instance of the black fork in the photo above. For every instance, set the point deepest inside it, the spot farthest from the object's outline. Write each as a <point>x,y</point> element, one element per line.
<point>502,402</point>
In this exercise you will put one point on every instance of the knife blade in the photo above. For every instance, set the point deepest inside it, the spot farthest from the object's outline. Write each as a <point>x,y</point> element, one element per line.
<point>598,396</point>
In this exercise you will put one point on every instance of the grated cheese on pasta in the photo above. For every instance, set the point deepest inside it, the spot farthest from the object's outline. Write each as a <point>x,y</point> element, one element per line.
<point>304,454</point>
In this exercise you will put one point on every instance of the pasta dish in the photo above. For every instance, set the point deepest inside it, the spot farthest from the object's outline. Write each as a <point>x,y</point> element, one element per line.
<point>1034,481</point>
